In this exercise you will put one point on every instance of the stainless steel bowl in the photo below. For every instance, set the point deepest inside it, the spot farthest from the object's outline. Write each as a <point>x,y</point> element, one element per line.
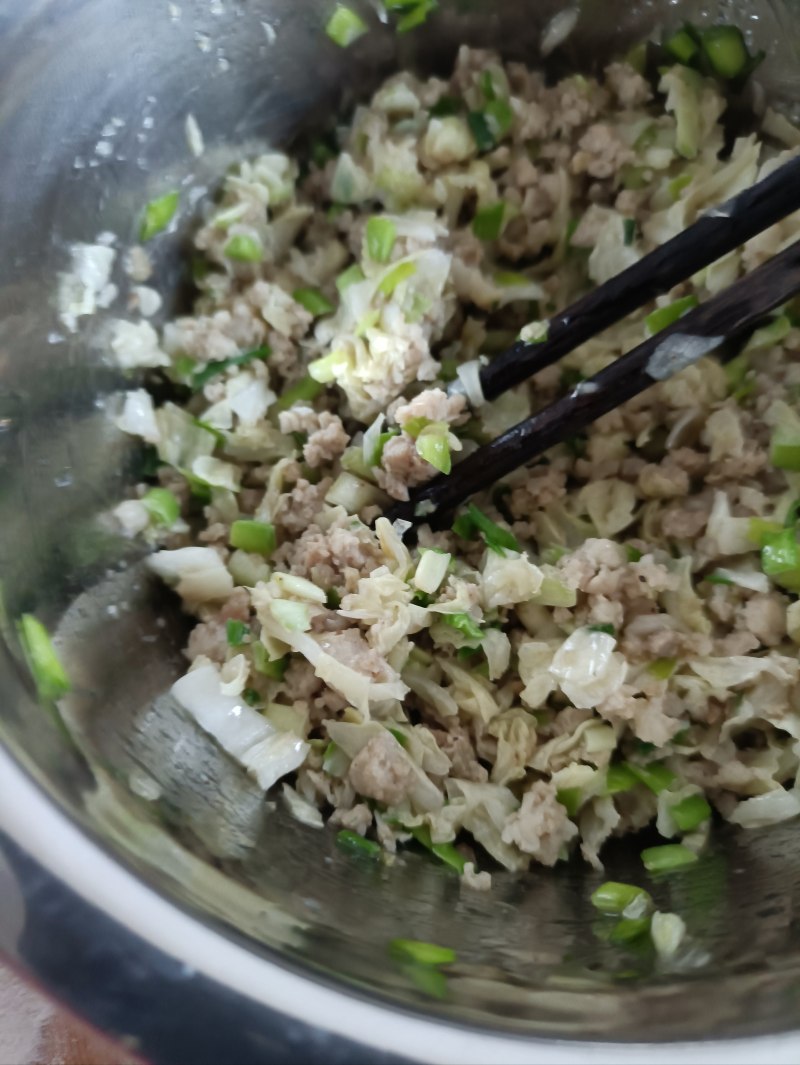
<point>144,880</point>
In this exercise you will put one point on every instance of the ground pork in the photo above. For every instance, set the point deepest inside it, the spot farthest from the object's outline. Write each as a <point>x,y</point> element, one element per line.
<point>336,558</point>
<point>358,819</point>
<point>351,649</point>
<point>646,714</point>
<point>765,617</point>
<point>541,826</point>
<point>627,85</point>
<point>380,771</point>
<point>601,152</point>
<point>457,745</point>
<point>401,467</point>
<point>435,405</point>
<point>471,878</point>
<point>302,505</point>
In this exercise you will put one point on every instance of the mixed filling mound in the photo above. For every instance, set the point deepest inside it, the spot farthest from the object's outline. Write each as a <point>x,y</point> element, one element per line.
<point>608,638</point>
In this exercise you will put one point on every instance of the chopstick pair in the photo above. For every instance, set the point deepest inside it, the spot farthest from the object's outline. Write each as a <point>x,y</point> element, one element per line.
<point>730,315</point>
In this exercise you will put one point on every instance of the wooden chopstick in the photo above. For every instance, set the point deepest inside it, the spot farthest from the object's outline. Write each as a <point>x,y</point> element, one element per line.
<point>717,232</point>
<point>734,312</point>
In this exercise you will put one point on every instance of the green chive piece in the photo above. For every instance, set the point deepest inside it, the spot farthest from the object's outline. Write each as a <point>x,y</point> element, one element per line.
<point>465,624</point>
<point>50,676</point>
<point>614,898</point>
<point>416,16</point>
<point>433,447</point>
<point>571,799</point>
<point>211,370</point>
<point>158,214</point>
<point>609,630</point>
<point>682,45</point>
<point>758,529</point>
<point>726,51</point>
<point>395,276</point>
<point>255,537</point>
<point>380,444</point>
<point>499,117</point>
<point>445,852</point>
<point>690,813</point>
<point>313,301</point>
<point>446,106</point>
<point>252,697</point>
<point>303,391</point>
<point>670,856</point>
<point>656,776</point>
<point>619,778</point>
<point>345,26</point>
<point>475,521</point>
<point>355,844</point>
<point>664,316</point>
<point>717,578</point>
<point>780,559</point>
<point>351,276</point>
<point>629,928</point>
<point>785,449</point>
<point>427,979</point>
<point>488,221</point>
<point>244,249</point>
<point>628,231</point>
<point>480,130</point>
<point>332,599</point>
<point>676,187</point>
<point>662,668</point>
<point>633,553</point>
<point>421,953</point>
<point>162,506</point>
<point>381,237</point>
<point>273,668</point>
<point>236,631</point>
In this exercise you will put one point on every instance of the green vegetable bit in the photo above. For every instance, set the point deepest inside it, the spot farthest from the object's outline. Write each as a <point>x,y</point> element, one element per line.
<point>255,537</point>
<point>158,214</point>
<point>351,276</point>
<point>162,506</point>
<point>417,13</point>
<point>50,676</point>
<point>609,630</point>
<point>690,813</point>
<point>355,844</point>
<point>780,558</point>
<point>446,106</point>
<point>677,185</point>
<point>682,45</point>
<point>662,668</point>
<point>421,953</point>
<point>474,521</point>
<point>614,898</point>
<point>313,301</point>
<point>619,778</point>
<point>785,449</point>
<point>305,390</point>
<point>629,928</point>
<point>434,448</point>
<point>656,776</point>
<point>481,131</point>
<point>488,221</point>
<point>571,799</point>
<point>381,237</point>
<point>273,668</point>
<point>670,856</point>
<point>200,378</point>
<point>664,316</point>
<point>726,51</point>
<point>236,631</point>
<point>446,852</point>
<point>465,624</point>
<point>717,578</point>
<point>244,249</point>
<point>396,276</point>
<point>628,231</point>
<point>345,26</point>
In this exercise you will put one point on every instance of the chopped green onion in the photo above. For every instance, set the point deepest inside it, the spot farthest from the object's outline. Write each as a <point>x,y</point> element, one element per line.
<point>446,852</point>
<point>736,371</point>
<point>499,116</point>
<point>629,928</point>
<point>628,231</point>
<point>670,856</point>
<point>332,599</point>
<point>351,276</point>
<point>677,185</point>
<point>465,624</point>
<point>495,537</point>
<point>717,578</point>
<point>446,106</point>
<point>414,426</point>
<point>244,249</point>
<point>633,553</point>
<point>273,668</point>
<point>305,390</point>
<point>609,630</point>
<point>422,953</point>
<point>785,449</point>
<point>313,301</point>
<point>355,844</point>
<point>726,51</point>
<point>381,237</point>
<point>662,668</point>
<point>664,316</point>
<point>380,444</point>
<point>690,813</point>
<point>158,214</point>
<point>488,221</point>
<point>656,776</point>
<point>395,276</point>
<point>510,278</point>
<point>416,16</point>
<point>162,506</point>
<point>255,537</point>
<point>614,898</point>
<point>758,529</point>
<point>428,980</point>
<point>236,631</point>
<point>571,799</point>
<point>619,778</point>
<point>434,448</point>
<point>200,378</point>
<point>252,697</point>
<point>480,130</point>
<point>682,45</point>
<point>401,737</point>
<point>345,26</point>
<point>50,676</point>
<point>780,559</point>
<point>551,555</point>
